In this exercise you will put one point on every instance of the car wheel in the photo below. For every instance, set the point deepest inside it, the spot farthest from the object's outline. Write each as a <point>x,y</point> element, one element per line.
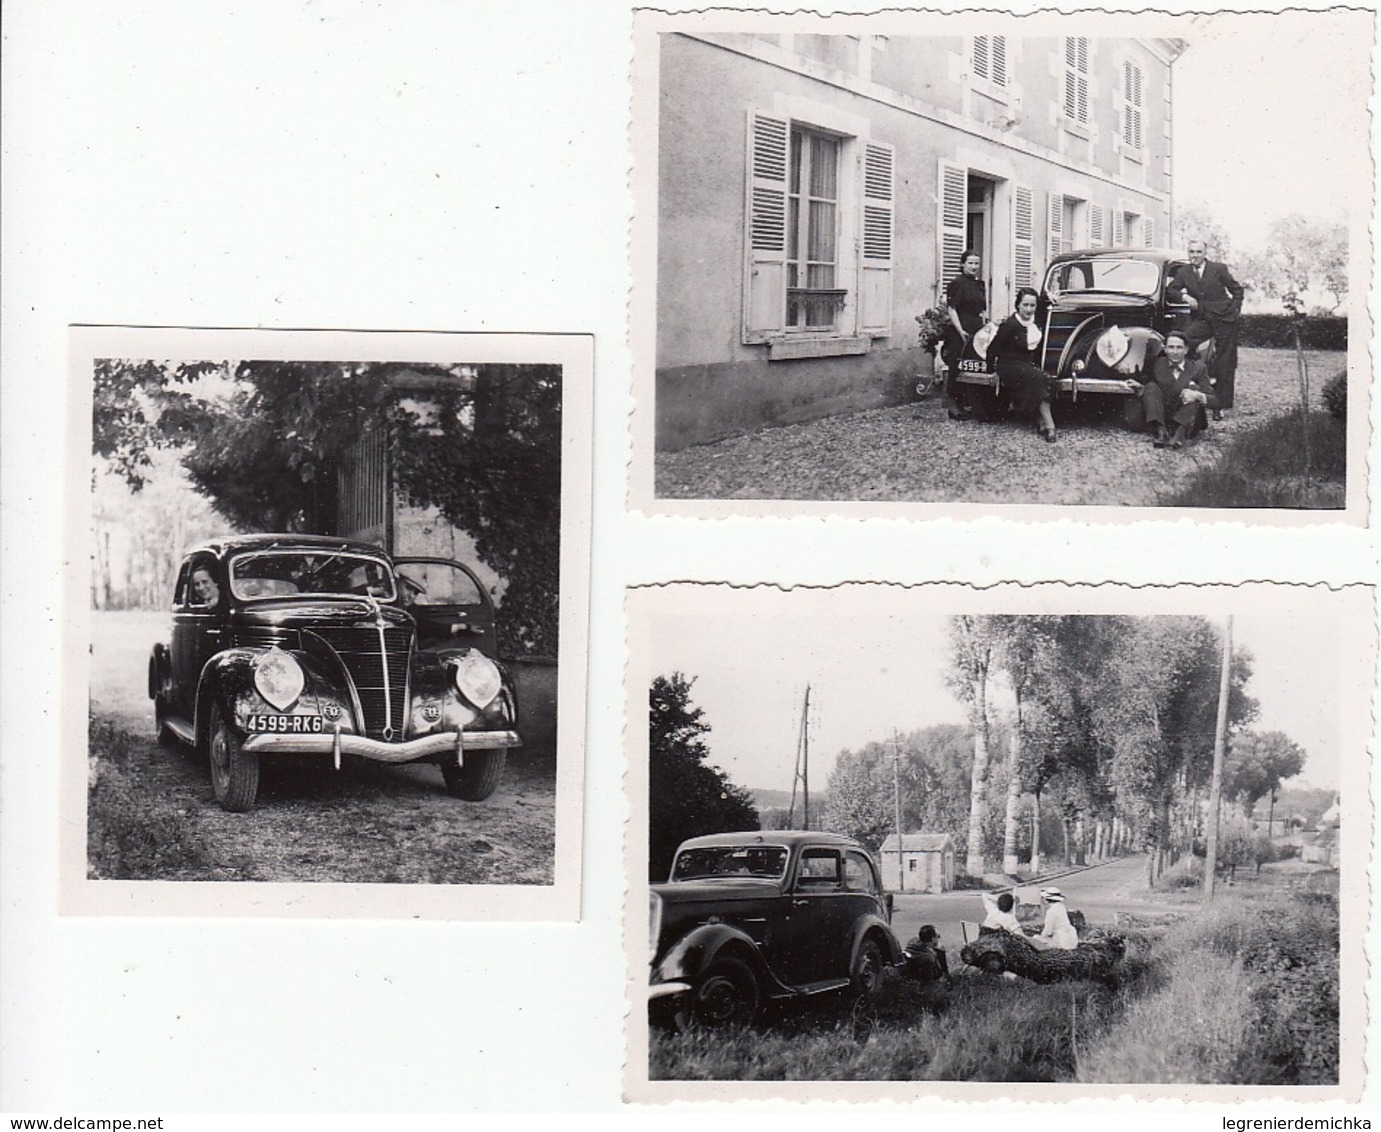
<point>868,970</point>
<point>478,777</point>
<point>234,771</point>
<point>725,995</point>
<point>993,963</point>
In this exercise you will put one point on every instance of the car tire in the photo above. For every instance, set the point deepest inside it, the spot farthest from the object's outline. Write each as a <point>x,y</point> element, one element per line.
<point>234,771</point>
<point>868,970</point>
<point>726,994</point>
<point>478,777</point>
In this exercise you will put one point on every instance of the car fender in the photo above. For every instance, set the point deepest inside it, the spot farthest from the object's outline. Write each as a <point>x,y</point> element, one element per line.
<point>228,681</point>
<point>875,927</point>
<point>694,952</point>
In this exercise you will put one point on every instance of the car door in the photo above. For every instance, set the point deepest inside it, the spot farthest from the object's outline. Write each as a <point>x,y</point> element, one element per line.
<point>820,926</point>
<point>197,630</point>
<point>450,604</point>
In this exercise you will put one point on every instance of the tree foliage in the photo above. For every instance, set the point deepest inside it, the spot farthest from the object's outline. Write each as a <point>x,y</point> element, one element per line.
<point>263,440</point>
<point>1195,221</point>
<point>1302,255</point>
<point>1257,763</point>
<point>687,797</point>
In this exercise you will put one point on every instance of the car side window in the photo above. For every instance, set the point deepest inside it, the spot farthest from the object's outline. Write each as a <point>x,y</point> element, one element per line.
<point>858,874</point>
<point>180,590</point>
<point>819,870</point>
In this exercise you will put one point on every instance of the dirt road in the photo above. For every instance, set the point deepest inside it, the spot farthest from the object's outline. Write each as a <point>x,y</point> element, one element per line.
<point>367,823</point>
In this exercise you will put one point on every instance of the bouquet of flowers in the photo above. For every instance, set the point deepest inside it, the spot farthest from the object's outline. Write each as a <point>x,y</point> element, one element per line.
<point>933,324</point>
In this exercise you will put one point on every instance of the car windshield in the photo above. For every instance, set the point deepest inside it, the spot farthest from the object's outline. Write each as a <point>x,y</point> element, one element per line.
<point>767,861</point>
<point>1102,273</point>
<point>282,573</point>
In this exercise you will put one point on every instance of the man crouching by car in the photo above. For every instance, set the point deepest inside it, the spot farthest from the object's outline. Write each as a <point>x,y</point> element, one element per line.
<point>1180,392</point>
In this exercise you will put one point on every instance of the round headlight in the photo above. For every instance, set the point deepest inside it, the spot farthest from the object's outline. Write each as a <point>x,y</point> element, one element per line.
<point>1113,345</point>
<point>477,678</point>
<point>279,678</point>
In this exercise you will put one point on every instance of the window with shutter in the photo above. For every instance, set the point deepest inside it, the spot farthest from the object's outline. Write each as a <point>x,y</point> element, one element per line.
<point>1095,225</point>
<point>1119,228</point>
<point>1056,242</point>
<point>875,278</point>
<point>1076,79</point>
<point>953,195</point>
<point>1023,235</point>
<point>1148,232</point>
<point>812,229</point>
<point>990,58</point>
<point>1131,102</point>
<point>764,307</point>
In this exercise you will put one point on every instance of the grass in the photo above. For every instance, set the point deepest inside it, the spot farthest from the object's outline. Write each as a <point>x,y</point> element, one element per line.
<point>1244,991</point>
<point>132,834</point>
<point>1264,467</point>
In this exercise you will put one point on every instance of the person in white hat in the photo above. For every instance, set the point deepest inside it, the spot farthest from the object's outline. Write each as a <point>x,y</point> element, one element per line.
<point>1058,933</point>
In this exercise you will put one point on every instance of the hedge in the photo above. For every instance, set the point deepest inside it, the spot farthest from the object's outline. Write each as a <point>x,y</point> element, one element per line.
<point>1272,331</point>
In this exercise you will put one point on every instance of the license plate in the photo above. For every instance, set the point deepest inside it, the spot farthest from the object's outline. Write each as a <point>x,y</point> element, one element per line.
<point>284,724</point>
<point>972,365</point>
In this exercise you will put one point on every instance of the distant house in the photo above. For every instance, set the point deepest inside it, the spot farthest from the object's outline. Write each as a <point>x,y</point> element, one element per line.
<point>815,193</point>
<point>924,864</point>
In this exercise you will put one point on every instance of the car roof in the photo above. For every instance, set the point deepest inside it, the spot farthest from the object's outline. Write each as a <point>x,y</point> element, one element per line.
<point>787,837</point>
<point>233,544</point>
<point>1153,255</point>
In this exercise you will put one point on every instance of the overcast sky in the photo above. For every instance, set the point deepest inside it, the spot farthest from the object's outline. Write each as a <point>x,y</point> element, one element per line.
<point>1270,117</point>
<point>875,672</point>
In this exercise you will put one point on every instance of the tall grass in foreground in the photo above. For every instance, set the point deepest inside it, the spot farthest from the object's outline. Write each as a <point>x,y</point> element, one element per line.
<point>1264,467</point>
<point>1242,992</point>
<point>130,835</point>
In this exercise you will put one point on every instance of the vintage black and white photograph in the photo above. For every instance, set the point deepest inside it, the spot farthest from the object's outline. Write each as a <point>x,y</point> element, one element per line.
<point>328,640</point>
<point>932,834</point>
<point>1097,260</point>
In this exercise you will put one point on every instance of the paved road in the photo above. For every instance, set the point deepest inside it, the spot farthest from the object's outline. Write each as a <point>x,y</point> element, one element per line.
<point>1098,892</point>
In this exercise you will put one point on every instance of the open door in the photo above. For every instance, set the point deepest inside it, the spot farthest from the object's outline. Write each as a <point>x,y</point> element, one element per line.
<point>451,606</point>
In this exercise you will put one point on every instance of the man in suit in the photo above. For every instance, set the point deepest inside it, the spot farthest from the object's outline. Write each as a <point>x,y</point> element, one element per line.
<point>1215,300</point>
<point>1179,392</point>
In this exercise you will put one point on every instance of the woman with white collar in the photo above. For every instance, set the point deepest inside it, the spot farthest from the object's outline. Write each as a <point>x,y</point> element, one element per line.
<point>1058,933</point>
<point>1016,350</point>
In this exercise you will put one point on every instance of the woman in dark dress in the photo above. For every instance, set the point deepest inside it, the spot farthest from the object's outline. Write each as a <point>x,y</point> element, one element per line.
<point>1016,350</point>
<point>968,310</point>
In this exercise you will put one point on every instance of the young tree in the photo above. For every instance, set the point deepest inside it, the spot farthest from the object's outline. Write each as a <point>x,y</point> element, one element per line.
<point>1194,221</point>
<point>686,796</point>
<point>1257,763</point>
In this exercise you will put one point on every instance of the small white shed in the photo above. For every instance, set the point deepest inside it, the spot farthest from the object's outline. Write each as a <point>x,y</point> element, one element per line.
<point>925,862</point>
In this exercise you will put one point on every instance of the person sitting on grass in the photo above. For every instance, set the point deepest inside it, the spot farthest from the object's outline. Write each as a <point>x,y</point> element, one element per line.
<point>1180,391</point>
<point>1000,916</point>
<point>1058,934</point>
<point>925,958</point>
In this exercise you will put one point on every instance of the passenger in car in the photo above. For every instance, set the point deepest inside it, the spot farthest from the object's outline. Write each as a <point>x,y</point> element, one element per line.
<point>1016,351</point>
<point>1058,934</point>
<point>204,589</point>
<point>1000,916</point>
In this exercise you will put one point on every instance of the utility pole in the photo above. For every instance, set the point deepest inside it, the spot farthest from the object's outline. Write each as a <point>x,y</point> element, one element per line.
<point>1219,743</point>
<point>896,802</point>
<point>802,772</point>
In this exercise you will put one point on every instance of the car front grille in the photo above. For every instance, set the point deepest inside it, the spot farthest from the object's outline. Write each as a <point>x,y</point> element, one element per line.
<point>380,675</point>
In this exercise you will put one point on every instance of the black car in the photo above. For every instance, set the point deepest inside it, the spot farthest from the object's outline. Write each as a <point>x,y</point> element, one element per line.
<point>777,914</point>
<point>299,645</point>
<point>1104,314</point>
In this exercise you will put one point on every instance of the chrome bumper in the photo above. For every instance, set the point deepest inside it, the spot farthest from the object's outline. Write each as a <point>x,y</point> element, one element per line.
<point>661,990</point>
<point>1095,385</point>
<point>444,743</point>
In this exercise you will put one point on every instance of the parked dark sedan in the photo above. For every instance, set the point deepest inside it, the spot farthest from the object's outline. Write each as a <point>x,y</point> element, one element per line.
<point>776,914</point>
<point>1104,314</point>
<point>298,645</point>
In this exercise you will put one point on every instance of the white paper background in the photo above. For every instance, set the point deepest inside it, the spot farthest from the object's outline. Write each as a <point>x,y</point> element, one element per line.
<point>414,165</point>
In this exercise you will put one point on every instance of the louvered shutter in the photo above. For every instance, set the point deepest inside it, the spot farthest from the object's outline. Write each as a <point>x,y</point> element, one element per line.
<point>1076,78</point>
<point>1131,92</point>
<point>1148,232</point>
<point>952,226</point>
<point>1119,229</point>
<point>764,298</point>
<point>875,270</point>
<point>999,48</point>
<point>1056,228</point>
<point>981,62</point>
<point>1023,235</point>
<point>1095,225</point>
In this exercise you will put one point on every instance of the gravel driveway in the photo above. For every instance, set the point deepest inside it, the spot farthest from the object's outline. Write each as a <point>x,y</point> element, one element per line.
<point>914,453</point>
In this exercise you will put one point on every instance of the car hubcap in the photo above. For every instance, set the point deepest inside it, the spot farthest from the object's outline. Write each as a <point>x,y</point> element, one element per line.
<point>220,758</point>
<point>719,999</point>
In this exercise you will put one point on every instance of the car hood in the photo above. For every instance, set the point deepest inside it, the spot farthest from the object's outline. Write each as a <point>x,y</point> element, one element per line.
<point>312,613</point>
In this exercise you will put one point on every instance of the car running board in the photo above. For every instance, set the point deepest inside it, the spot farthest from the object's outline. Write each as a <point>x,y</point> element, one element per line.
<point>821,986</point>
<point>182,729</point>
